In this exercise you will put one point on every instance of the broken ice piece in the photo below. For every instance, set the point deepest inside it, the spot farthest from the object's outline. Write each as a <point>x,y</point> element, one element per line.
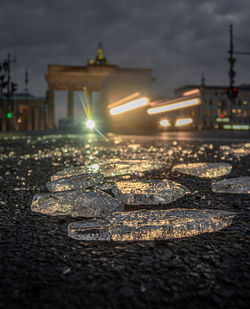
<point>76,203</point>
<point>233,185</point>
<point>117,167</point>
<point>114,167</point>
<point>108,184</point>
<point>79,182</point>
<point>150,225</point>
<point>241,152</point>
<point>148,192</point>
<point>75,171</point>
<point>204,170</point>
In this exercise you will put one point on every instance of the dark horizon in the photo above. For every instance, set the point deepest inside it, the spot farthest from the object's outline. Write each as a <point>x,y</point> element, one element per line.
<point>178,41</point>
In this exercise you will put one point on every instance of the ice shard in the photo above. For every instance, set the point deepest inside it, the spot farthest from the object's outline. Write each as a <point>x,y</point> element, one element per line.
<point>233,185</point>
<point>75,171</point>
<point>148,192</point>
<point>79,182</point>
<point>241,151</point>
<point>129,167</point>
<point>150,225</point>
<point>110,168</point>
<point>204,170</point>
<point>76,203</point>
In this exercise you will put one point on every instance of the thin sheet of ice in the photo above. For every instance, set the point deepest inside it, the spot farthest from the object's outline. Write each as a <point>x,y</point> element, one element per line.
<point>75,171</point>
<point>204,170</point>
<point>79,182</point>
<point>150,225</point>
<point>233,185</point>
<point>238,150</point>
<point>131,167</point>
<point>148,192</point>
<point>110,168</point>
<point>76,203</point>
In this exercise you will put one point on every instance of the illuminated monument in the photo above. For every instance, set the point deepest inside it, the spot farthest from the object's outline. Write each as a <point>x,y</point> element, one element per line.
<point>105,83</point>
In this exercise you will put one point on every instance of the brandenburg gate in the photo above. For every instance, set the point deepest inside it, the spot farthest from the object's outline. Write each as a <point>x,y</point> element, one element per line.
<point>95,76</point>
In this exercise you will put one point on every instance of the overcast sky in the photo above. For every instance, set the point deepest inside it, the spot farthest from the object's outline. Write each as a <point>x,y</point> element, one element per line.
<point>178,39</point>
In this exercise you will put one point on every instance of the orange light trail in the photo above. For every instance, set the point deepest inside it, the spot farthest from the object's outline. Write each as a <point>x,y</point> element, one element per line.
<point>191,92</point>
<point>126,99</point>
<point>129,106</point>
<point>174,106</point>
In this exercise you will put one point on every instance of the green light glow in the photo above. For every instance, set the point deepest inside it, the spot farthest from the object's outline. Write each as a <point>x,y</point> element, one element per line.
<point>236,127</point>
<point>9,115</point>
<point>226,119</point>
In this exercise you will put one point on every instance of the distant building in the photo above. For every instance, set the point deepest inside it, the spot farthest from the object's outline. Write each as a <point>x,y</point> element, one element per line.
<point>25,113</point>
<point>216,111</point>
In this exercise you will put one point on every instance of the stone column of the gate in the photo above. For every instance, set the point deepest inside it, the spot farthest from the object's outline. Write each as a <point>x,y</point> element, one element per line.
<point>70,106</point>
<point>51,107</point>
<point>69,78</point>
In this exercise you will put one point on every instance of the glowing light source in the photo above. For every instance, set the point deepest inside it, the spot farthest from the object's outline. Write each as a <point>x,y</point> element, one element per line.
<point>173,106</point>
<point>191,92</point>
<point>183,122</point>
<point>236,126</point>
<point>165,123</point>
<point>90,124</point>
<point>129,106</point>
<point>9,115</point>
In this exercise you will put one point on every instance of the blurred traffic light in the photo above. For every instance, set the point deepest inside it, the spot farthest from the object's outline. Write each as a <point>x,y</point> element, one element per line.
<point>232,92</point>
<point>9,115</point>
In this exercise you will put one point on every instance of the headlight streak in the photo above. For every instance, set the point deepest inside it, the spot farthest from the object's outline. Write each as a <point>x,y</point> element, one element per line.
<point>173,106</point>
<point>183,122</point>
<point>129,106</point>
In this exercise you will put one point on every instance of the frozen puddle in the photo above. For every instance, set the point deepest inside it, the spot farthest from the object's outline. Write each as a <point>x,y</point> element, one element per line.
<point>76,203</point>
<point>233,185</point>
<point>79,182</point>
<point>148,192</point>
<point>204,170</point>
<point>150,225</point>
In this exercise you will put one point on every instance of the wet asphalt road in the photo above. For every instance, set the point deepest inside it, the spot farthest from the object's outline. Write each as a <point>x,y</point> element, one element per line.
<point>42,268</point>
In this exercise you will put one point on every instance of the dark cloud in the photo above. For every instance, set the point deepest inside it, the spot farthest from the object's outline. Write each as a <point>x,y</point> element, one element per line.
<point>178,39</point>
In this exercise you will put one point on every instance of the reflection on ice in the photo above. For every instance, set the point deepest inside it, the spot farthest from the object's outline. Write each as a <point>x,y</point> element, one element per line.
<point>76,203</point>
<point>238,150</point>
<point>79,182</point>
<point>204,170</point>
<point>233,185</point>
<point>150,225</point>
<point>131,167</point>
<point>110,168</point>
<point>75,171</point>
<point>148,192</point>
